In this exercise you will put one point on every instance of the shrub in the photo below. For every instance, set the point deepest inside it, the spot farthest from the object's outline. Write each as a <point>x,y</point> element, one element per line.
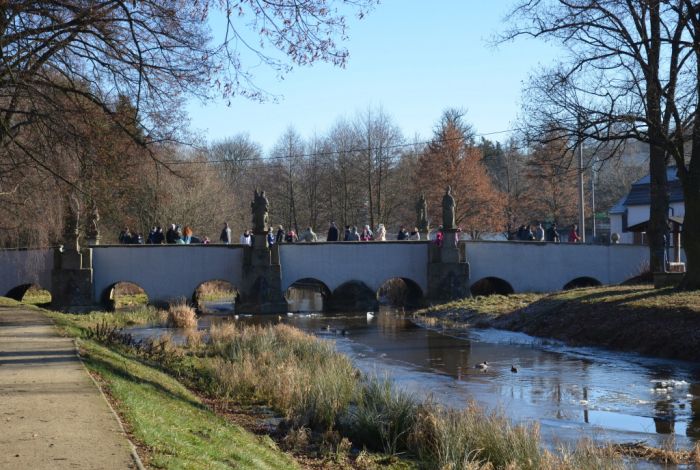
<point>181,315</point>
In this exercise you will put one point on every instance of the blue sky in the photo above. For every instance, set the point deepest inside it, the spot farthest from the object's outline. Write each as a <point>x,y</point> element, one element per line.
<point>413,58</point>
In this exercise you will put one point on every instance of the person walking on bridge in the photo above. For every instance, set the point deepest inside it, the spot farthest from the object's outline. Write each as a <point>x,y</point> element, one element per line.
<point>187,235</point>
<point>308,236</point>
<point>225,236</point>
<point>553,234</point>
<point>246,239</point>
<point>539,233</point>
<point>125,236</point>
<point>366,234</point>
<point>332,233</point>
<point>380,234</point>
<point>279,237</point>
<point>171,235</point>
<point>353,236</point>
<point>574,237</point>
<point>403,234</point>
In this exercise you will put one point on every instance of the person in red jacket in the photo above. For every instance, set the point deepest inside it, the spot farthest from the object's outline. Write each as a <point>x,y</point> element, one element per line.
<point>574,237</point>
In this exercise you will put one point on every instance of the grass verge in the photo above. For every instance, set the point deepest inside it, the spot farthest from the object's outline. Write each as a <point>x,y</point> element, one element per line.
<point>171,423</point>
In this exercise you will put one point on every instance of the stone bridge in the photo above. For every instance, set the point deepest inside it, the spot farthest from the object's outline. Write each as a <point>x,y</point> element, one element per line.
<point>345,272</point>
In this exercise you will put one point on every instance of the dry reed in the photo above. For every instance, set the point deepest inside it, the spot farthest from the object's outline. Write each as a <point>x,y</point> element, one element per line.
<point>179,315</point>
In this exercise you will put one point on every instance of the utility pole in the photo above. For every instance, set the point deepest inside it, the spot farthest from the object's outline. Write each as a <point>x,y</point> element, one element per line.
<point>581,206</point>
<point>593,178</point>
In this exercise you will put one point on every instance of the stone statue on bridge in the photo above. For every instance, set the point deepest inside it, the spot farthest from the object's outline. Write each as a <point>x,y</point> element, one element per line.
<point>448,210</point>
<point>92,232</point>
<point>422,213</point>
<point>72,228</point>
<point>260,207</point>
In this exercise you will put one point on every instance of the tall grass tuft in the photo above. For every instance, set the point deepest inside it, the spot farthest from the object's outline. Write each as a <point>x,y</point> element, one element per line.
<point>587,455</point>
<point>453,439</point>
<point>300,376</point>
<point>384,417</point>
<point>180,315</point>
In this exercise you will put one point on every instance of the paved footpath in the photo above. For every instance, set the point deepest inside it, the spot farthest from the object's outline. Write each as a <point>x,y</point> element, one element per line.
<point>52,415</point>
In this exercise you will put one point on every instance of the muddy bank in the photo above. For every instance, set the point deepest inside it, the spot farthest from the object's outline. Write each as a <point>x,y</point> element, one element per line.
<point>660,323</point>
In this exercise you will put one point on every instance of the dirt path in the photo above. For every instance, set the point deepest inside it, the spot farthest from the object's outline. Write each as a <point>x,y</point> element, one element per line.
<point>52,415</point>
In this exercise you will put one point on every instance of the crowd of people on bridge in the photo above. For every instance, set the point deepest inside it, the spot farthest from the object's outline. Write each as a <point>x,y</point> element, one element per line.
<point>177,234</point>
<point>537,233</point>
<point>183,235</point>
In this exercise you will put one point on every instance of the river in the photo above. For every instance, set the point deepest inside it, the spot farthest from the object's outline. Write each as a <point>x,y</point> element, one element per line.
<point>571,392</point>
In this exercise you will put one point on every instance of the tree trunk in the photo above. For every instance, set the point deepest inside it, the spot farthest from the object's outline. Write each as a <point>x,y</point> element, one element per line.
<point>691,229</point>
<point>691,182</point>
<point>658,211</point>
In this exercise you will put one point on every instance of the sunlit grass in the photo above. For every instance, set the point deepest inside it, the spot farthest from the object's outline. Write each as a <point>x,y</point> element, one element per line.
<point>37,296</point>
<point>485,305</point>
<point>130,300</point>
<point>172,423</point>
<point>79,324</point>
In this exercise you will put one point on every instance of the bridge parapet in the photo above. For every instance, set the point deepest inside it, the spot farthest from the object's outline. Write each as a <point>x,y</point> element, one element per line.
<point>548,267</point>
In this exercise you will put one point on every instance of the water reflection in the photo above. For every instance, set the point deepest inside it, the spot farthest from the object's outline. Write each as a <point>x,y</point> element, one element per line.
<point>619,397</point>
<point>568,390</point>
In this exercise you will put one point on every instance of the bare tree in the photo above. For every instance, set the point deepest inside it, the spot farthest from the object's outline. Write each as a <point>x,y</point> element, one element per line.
<point>514,184</point>
<point>629,72</point>
<point>65,59</point>
<point>379,138</point>
<point>288,155</point>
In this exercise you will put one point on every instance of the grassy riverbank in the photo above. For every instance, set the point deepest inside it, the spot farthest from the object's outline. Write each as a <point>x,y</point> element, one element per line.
<point>654,322</point>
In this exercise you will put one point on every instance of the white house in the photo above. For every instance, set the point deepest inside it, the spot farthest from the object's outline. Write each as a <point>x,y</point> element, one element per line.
<point>633,209</point>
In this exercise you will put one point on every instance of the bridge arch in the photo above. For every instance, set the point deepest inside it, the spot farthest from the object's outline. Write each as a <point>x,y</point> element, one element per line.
<point>123,294</point>
<point>19,292</point>
<point>491,285</point>
<point>215,295</point>
<point>583,281</point>
<point>307,295</point>
<point>400,292</point>
<point>353,296</point>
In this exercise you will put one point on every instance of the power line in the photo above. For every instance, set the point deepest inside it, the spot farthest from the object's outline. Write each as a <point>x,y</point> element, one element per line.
<point>332,152</point>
